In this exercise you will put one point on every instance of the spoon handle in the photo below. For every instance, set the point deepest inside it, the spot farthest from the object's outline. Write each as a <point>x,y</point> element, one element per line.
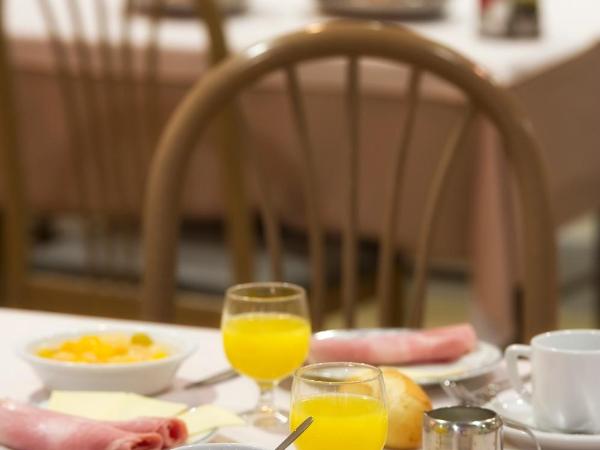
<point>297,432</point>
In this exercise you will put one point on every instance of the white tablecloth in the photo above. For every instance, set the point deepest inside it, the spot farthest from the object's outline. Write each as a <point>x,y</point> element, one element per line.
<point>567,28</point>
<point>18,381</point>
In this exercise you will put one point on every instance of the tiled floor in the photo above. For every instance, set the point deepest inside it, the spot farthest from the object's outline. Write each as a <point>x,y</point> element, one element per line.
<point>577,247</point>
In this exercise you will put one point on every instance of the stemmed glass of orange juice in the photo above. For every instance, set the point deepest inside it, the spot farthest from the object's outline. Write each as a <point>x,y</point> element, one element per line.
<point>347,403</point>
<point>266,335</point>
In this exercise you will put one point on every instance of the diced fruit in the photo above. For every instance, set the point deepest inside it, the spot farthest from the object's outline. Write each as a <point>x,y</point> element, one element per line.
<point>141,339</point>
<point>107,348</point>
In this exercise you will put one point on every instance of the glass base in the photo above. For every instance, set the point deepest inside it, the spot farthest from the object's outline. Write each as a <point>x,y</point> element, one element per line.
<point>273,421</point>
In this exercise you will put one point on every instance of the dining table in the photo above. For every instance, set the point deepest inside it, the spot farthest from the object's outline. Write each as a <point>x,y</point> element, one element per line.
<point>555,77</point>
<point>19,382</point>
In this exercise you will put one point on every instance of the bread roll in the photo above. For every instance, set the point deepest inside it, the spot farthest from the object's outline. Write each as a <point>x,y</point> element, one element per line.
<point>406,404</point>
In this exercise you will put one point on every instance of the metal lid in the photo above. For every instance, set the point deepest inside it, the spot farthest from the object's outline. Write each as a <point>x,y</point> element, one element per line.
<point>462,419</point>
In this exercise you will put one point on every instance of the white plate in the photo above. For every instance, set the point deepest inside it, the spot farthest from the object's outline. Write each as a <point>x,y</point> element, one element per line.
<point>385,8</point>
<point>202,437</point>
<point>509,405</point>
<point>484,359</point>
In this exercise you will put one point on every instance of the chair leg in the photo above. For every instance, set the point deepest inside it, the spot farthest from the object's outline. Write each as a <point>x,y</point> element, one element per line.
<point>597,272</point>
<point>517,298</point>
<point>399,306</point>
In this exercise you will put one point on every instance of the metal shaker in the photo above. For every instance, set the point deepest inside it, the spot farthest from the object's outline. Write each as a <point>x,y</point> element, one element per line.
<point>462,428</point>
<point>467,428</point>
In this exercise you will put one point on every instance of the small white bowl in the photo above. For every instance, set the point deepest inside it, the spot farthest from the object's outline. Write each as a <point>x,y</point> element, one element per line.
<point>147,377</point>
<point>217,447</point>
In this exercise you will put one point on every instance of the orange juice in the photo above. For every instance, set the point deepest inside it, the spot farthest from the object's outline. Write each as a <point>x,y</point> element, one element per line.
<point>341,422</point>
<point>266,346</point>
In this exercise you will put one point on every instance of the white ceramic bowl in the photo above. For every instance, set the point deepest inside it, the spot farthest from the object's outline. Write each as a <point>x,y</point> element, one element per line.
<point>217,447</point>
<point>147,377</point>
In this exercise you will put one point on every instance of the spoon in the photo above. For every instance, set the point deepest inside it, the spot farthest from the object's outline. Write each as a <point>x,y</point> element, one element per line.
<point>295,434</point>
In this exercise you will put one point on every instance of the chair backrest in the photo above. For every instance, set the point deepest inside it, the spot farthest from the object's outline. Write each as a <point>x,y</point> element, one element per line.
<point>105,79</point>
<point>353,41</point>
<point>103,92</point>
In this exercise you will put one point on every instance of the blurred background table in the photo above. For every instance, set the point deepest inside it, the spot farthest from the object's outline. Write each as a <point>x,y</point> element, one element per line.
<point>555,76</point>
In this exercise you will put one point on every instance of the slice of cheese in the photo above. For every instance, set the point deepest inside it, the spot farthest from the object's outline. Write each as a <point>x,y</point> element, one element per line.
<point>208,417</point>
<point>111,405</point>
<point>125,406</point>
<point>93,405</point>
<point>138,406</point>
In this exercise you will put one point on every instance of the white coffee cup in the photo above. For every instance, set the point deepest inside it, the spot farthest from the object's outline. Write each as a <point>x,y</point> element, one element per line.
<point>565,369</point>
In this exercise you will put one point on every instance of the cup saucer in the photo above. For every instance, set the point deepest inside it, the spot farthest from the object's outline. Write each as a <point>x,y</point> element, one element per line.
<point>508,404</point>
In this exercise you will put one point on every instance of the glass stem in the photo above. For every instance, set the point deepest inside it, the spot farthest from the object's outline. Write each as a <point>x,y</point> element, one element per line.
<point>266,399</point>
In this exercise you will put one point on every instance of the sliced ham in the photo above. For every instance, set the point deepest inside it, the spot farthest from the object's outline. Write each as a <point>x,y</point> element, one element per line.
<point>24,427</point>
<point>402,347</point>
<point>173,431</point>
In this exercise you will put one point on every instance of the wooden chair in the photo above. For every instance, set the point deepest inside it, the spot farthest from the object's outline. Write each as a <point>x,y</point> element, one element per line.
<point>110,147</point>
<point>352,41</point>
